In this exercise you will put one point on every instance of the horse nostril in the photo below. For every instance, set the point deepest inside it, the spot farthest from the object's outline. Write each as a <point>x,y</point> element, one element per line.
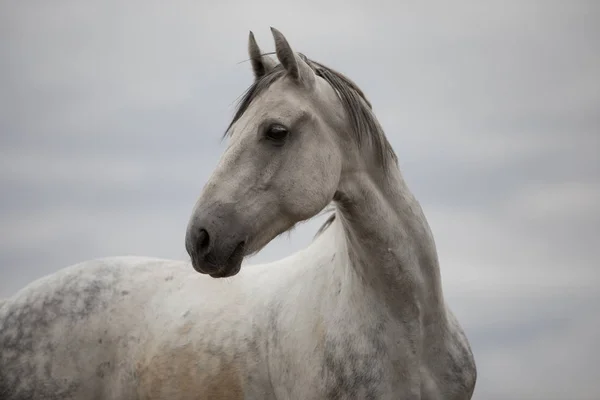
<point>203,241</point>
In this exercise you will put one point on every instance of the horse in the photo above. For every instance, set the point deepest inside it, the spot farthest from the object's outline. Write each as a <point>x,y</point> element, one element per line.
<point>357,314</point>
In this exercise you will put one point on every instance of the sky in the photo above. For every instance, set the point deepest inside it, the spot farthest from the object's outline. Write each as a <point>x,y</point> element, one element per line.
<point>111,116</point>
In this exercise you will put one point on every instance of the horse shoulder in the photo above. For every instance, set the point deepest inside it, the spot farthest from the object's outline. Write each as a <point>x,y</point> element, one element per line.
<point>196,348</point>
<point>184,373</point>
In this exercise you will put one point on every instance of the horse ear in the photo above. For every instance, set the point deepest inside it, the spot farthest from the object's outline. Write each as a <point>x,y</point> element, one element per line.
<point>261,65</point>
<point>295,66</point>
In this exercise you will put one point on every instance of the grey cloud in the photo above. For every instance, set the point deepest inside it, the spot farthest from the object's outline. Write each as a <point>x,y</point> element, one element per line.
<point>550,330</point>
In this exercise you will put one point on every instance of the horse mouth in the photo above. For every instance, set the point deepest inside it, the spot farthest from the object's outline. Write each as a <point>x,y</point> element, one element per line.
<point>233,264</point>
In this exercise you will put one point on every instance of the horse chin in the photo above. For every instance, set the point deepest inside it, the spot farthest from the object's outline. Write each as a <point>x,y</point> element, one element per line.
<point>222,271</point>
<point>226,272</point>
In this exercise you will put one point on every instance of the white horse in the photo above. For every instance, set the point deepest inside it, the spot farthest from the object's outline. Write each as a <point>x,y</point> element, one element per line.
<point>358,314</point>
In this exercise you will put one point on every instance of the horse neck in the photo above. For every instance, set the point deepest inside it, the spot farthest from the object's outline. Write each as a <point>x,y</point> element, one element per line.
<point>389,244</point>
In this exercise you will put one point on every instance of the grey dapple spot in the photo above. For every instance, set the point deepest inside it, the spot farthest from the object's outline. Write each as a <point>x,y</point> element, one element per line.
<point>358,314</point>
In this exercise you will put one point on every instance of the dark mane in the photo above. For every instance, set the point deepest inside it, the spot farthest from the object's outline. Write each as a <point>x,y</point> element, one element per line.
<point>365,127</point>
<point>325,225</point>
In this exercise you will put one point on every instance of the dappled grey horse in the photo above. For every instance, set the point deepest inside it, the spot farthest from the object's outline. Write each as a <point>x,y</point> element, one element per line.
<point>358,314</point>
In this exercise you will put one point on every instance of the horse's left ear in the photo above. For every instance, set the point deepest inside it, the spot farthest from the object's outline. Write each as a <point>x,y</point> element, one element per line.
<point>295,66</point>
<point>261,65</point>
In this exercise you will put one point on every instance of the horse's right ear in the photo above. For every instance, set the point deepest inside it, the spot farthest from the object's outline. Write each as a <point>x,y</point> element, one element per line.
<point>261,65</point>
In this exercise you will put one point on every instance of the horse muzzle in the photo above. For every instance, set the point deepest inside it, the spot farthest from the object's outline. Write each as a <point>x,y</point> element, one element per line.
<point>216,241</point>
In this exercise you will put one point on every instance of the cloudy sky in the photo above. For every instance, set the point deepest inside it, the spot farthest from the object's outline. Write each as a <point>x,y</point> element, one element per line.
<point>111,114</point>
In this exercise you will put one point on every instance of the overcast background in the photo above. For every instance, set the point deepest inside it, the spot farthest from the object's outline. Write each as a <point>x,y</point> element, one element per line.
<point>111,114</point>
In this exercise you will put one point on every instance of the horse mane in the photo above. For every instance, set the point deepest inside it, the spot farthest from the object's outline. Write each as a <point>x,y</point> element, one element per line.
<point>365,127</point>
<point>325,225</point>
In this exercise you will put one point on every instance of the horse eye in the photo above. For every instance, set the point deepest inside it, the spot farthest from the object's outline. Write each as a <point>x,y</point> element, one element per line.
<point>277,133</point>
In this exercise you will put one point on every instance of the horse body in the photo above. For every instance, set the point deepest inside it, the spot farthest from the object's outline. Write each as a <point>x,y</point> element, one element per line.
<point>140,328</point>
<point>358,314</point>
